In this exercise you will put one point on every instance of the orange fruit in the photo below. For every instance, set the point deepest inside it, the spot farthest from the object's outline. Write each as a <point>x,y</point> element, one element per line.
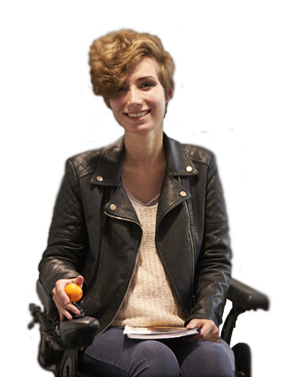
<point>74,291</point>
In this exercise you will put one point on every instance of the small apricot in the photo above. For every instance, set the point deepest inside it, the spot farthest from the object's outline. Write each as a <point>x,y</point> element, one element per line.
<point>74,291</point>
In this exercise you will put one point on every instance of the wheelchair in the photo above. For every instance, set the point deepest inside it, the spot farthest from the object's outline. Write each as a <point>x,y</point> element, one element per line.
<point>61,342</point>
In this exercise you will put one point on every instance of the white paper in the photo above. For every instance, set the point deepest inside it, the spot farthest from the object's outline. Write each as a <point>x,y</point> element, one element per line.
<point>158,332</point>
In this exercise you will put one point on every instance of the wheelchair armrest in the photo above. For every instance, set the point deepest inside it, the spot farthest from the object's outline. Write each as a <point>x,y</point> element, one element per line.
<point>243,298</point>
<point>78,333</point>
<point>246,298</point>
<point>45,299</point>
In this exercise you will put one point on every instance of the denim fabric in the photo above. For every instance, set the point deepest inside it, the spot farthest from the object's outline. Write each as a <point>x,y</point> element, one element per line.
<point>113,354</point>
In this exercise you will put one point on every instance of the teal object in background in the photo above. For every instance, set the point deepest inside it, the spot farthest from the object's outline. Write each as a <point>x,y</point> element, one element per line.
<point>226,163</point>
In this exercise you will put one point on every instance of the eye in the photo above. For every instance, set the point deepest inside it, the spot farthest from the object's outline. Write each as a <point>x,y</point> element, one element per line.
<point>122,89</point>
<point>147,85</point>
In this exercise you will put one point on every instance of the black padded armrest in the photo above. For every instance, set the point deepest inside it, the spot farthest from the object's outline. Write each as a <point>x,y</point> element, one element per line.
<point>45,299</point>
<point>247,298</point>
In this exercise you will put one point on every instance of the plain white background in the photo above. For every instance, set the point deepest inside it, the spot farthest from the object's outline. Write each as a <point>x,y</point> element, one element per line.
<point>16,16</point>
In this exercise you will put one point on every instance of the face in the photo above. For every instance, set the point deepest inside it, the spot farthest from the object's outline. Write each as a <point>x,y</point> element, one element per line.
<point>139,105</point>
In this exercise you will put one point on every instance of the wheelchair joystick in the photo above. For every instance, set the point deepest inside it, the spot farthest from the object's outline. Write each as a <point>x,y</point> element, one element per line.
<point>75,316</point>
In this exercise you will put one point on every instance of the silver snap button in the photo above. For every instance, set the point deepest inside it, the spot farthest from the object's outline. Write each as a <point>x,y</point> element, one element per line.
<point>112,207</point>
<point>183,193</point>
<point>189,168</point>
<point>99,178</point>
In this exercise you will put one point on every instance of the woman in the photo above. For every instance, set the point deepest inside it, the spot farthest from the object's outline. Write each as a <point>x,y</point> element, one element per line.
<point>141,224</point>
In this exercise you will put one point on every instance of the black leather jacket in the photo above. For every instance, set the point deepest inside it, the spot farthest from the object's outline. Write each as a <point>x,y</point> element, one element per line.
<point>95,232</point>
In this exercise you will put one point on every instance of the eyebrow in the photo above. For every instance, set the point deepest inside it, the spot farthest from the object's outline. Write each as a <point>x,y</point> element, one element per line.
<point>146,78</point>
<point>143,78</point>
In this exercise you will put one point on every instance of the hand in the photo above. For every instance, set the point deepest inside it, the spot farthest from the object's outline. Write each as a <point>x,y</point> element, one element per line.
<point>208,331</point>
<point>61,299</point>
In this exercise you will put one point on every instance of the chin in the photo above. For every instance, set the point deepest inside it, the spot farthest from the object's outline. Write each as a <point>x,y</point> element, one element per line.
<point>143,129</point>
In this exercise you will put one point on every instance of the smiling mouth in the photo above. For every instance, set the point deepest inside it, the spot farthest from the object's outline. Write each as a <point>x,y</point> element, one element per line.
<point>138,115</point>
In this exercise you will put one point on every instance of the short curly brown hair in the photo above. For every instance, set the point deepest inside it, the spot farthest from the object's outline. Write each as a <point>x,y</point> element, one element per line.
<point>114,55</point>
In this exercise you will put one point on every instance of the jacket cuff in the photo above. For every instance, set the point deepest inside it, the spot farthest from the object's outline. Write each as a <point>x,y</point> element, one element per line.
<point>201,316</point>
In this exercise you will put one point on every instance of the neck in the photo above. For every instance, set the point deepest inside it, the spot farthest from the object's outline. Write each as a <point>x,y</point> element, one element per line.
<point>146,151</point>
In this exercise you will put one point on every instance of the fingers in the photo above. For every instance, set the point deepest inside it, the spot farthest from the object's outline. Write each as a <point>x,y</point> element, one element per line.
<point>208,331</point>
<point>201,338</point>
<point>64,308</point>
<point>65,312</point>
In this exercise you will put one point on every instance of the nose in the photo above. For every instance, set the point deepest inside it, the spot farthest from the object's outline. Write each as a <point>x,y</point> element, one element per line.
<point>134,97</point>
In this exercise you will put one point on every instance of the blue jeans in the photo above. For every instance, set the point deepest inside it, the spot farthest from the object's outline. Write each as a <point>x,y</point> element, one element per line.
<point>114,354</point>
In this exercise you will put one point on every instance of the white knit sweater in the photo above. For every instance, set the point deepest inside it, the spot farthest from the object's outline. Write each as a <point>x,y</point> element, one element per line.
<point>149,300</point>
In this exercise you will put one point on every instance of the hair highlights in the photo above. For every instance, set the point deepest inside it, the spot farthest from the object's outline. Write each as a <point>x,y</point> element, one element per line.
<point>113,56</point>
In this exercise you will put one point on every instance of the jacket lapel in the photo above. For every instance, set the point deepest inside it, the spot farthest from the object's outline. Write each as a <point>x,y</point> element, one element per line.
<point>178,165</point>
<point>109,166</point>
<point>108,173</point>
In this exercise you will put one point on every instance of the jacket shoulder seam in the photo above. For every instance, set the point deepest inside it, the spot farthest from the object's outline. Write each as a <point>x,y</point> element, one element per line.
<point>84,164</point>
<point>199,155</point>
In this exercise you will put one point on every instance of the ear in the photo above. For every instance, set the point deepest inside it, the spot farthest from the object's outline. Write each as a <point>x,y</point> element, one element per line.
<point>170,92</point>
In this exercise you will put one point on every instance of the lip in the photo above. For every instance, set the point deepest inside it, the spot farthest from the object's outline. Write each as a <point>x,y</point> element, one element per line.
<point>136,117</point>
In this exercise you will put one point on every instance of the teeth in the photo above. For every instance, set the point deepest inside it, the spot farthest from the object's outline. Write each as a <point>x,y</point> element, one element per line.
<point>137,115</point>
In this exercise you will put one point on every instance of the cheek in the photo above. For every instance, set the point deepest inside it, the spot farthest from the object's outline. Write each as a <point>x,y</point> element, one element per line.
<point>115,106</point>
<point>157,98</point>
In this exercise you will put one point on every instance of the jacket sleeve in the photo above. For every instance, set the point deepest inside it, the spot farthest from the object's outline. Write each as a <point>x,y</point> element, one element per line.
<point>67,241</point>
<point>213,270</point>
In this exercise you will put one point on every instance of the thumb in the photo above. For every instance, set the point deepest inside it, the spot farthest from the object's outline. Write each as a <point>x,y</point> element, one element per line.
<point>79,281</point>
<point>193,324</point>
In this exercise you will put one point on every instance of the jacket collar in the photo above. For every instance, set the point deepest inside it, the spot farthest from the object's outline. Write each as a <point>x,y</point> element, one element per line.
<point>109,167</point>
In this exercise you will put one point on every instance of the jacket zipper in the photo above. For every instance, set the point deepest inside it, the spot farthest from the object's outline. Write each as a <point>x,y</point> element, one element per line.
<point>135,222</point>
<point>191,238</point>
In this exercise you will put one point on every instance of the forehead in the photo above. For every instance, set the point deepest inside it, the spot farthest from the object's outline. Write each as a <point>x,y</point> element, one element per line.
<point>147,67</point>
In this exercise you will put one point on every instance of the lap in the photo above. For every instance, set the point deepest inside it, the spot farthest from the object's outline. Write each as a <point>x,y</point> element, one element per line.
<point>204,359</point>
<point>113,354</point>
